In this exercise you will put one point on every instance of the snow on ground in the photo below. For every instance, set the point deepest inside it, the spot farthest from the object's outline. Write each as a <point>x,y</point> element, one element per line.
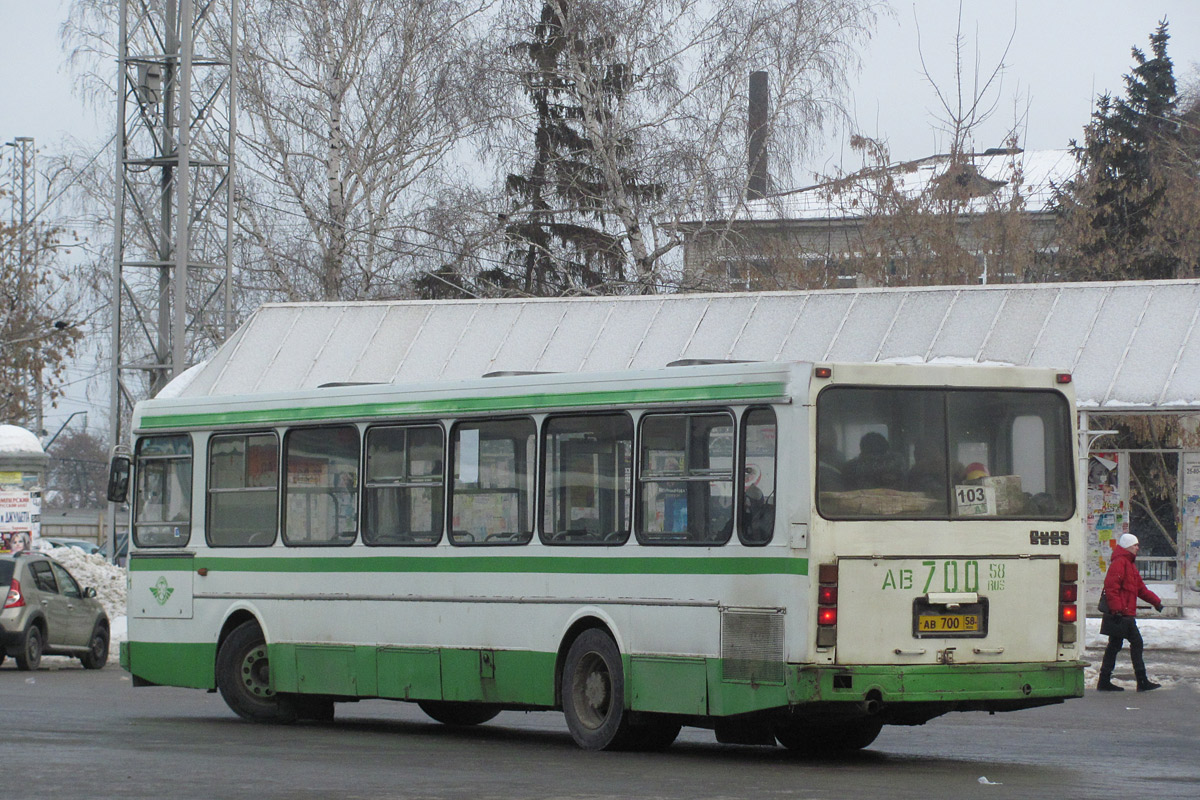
<point>1158,633</point>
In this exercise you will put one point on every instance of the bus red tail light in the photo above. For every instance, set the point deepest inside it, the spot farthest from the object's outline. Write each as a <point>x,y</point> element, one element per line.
<point>1068,598</point>
<point>15,599</point>
<point>827,593</point>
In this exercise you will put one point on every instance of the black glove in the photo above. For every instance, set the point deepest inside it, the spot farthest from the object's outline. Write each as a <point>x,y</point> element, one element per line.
<point>1158,608</point>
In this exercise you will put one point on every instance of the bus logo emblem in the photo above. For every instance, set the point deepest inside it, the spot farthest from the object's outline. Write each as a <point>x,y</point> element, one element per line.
<point>161,591</point>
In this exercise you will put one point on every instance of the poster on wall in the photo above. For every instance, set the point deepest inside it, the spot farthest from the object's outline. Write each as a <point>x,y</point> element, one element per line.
<point>1107,516</point>
<point>20,520</point>
<point>1191,516</point>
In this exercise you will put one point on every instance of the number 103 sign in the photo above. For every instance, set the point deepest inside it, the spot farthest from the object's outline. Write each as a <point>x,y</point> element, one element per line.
<point>975,501</point>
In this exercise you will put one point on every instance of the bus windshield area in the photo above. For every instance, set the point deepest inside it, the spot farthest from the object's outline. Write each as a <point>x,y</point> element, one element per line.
<point>916,453</point>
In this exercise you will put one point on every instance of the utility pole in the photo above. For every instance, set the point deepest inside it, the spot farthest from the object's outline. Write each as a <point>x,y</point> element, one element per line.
<point>24,211</point>
<point>176,100</point>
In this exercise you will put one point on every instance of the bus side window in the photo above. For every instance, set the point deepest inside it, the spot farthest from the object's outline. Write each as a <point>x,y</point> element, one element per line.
<point>321,490</point>
<point>492,497</point>
<point>162,513</point>
<point>403,491</point>
<point>587,479</point>
<point>757,519</point>
<point>243,490</point>
<point>685,481</point>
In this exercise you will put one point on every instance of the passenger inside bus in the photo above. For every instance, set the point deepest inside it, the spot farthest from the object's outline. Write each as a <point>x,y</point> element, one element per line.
<point>876,466</point>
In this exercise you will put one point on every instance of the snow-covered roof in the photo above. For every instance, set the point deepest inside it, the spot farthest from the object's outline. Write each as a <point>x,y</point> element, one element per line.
<point>1130,345</point>
<point>852,197</point>
<point>16,440</point>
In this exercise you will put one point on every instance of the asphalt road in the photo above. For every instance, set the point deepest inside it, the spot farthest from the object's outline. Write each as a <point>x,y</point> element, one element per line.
<point>71,733</point>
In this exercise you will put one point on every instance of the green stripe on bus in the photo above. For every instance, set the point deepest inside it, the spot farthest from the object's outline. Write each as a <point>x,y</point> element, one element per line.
<point>461,405</point>
<point>620,565</point>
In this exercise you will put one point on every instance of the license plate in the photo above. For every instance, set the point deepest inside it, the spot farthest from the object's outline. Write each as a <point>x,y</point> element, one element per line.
<point>948,623</point>
<point>968,620</point>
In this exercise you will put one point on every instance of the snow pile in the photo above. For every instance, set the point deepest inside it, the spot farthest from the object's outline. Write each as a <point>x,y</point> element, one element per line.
<point>1158,633</point>
<point>110,582</point>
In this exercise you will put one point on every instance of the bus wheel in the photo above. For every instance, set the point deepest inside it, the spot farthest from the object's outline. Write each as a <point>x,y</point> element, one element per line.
<point>593,694</point>
<point>449,712</point>
<point>244,677</point>
<point>829,738</point>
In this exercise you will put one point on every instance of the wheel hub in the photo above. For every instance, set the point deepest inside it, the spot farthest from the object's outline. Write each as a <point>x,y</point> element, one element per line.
<point>256,673</point>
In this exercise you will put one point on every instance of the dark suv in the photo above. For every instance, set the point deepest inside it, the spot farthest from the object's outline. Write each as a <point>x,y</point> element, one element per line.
<point>47,612</point>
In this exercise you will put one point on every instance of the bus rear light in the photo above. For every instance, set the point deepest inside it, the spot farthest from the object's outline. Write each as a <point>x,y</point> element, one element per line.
<point>1068,573</point>
<point>827,573</point>
<point>1063,377</point>
<point>15,599</point>
<point>823,372</point>
<point>827,596</point>
<point>1068,612</point>
<point>827,616</point>
<point>1067,634</point>
<point>1068,593</point>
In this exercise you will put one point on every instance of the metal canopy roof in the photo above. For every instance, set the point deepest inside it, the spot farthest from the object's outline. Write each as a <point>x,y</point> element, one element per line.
<point>1130,345</point>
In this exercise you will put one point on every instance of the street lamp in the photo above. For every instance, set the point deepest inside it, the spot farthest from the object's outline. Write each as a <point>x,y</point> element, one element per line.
<point>75,414</point>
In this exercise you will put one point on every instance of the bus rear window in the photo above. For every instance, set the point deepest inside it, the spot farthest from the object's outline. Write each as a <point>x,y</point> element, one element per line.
<point>935,454</point>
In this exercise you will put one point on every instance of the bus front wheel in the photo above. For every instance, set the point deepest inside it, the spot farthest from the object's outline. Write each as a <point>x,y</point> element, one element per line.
<point>244,677</point>
<point>593,693</point>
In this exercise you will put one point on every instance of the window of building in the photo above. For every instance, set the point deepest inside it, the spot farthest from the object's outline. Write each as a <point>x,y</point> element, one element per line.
<point>402,501</point>
<point>162,513</point>
<point>243,489</point>
<point>686,479</point>
<point>588,479</point>
<point>492,499</point>
<point>321,491</point>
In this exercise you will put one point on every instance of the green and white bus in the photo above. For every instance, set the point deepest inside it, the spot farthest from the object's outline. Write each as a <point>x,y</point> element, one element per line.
<point>786,552</point>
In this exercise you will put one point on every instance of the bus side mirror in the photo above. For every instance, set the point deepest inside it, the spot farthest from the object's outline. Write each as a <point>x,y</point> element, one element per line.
<point>118,479</point>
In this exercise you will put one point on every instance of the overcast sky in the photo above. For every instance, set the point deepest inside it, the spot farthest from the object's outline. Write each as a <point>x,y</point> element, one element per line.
<point>1063,53</point>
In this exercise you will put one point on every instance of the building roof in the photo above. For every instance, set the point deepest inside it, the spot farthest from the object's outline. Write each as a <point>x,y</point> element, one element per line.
<point>1039,169</point>
<point>1130,345</point>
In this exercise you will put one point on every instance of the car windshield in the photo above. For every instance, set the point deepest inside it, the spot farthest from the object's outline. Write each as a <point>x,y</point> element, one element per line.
<point>937,453</point>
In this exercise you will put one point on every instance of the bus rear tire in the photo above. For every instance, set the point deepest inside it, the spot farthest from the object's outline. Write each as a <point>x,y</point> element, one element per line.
<point>829,738</point>
<point>244,677</point>
<point>593,694</point>
<point>449,712</point>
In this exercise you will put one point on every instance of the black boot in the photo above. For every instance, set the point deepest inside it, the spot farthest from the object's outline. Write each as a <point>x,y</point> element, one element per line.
<point>1144,684</point>
<point>1106,684</point>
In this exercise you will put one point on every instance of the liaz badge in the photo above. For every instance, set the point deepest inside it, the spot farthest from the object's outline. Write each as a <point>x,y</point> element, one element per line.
<point>161,591</point>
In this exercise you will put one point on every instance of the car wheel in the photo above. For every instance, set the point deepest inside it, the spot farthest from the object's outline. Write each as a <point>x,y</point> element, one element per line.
<point>97,655</point>
<point>244,677</point>
<point>449,712</point>
<point>593,693</point>
<point>30,654</point>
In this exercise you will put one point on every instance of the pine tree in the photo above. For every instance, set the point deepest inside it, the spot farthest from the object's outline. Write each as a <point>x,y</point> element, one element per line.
<point>557,233</point>
<point>1129,213</point>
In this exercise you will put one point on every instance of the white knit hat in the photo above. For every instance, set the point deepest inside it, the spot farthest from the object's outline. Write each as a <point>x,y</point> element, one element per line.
<point>1127,540</point>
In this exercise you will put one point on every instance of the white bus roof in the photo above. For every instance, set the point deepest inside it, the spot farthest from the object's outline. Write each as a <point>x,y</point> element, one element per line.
<point>1130,345</point>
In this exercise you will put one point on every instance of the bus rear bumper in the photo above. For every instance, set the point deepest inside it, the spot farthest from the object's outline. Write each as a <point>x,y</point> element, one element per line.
<point>919,693</point>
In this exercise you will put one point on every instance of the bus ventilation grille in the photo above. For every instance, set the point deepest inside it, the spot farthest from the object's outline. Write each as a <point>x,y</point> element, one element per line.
<point>752,647</point>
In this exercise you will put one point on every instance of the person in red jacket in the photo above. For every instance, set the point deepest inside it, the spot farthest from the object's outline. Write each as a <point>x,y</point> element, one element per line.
<point>1123,585</point>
